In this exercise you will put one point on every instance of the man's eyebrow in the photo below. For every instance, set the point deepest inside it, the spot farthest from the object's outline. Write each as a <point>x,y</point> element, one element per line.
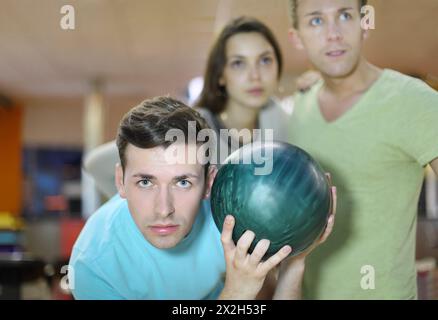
<point>185,176</point>
<point>314,13</point>
<point>144,176</point>
<point>318,13</point>
<point>345,9</point>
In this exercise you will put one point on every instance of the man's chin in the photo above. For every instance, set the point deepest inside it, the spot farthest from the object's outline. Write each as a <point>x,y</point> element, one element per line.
<point>339,70</point>
<point>338,73</point>
<point>164,242</point>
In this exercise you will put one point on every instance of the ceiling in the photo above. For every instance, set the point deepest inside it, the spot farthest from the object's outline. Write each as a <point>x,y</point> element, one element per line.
<point>151,47</point>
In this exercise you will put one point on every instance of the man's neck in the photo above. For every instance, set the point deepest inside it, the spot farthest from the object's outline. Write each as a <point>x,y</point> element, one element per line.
<point>338,95</point>
<point>355,83</point>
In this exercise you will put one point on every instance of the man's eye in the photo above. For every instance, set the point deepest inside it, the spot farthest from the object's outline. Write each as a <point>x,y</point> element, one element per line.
<point>345,16</point>
<point>144,183</point>
<point>316,21</point>
<point>183,184</point>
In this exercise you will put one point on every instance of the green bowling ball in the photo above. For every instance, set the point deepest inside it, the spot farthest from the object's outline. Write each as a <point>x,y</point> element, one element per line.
<point>285,198</point>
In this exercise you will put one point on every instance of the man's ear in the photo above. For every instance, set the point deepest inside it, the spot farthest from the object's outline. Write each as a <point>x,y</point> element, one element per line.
<point>119,180</point>
<point>295,39</point>
<point>211,174</point>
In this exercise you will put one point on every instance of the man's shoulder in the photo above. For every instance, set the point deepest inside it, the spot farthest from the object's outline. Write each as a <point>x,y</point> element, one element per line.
<point>406,87</point>
<point>101,228</point>
<point>304,106</point>
<point>309,96</point>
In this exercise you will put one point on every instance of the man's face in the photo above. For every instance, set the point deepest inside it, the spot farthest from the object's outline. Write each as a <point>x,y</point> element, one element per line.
<point>163,198</point>
<point>330,32</point>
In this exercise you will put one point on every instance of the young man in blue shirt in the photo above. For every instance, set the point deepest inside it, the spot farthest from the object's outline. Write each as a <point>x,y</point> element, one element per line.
<point>157,239</point>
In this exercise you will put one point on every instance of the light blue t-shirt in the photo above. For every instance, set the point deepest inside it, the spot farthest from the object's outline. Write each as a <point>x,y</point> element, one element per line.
<point>112,260</point>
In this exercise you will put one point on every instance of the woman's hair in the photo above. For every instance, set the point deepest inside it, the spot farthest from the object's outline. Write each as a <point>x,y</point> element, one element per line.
<point>213,95</point>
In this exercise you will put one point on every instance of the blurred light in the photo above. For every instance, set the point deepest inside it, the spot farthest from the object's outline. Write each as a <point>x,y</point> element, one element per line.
<point>194,89</point>
<point>56,203</point>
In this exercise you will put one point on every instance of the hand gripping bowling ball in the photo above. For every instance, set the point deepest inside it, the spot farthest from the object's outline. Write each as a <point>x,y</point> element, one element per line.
<point>288,205</point>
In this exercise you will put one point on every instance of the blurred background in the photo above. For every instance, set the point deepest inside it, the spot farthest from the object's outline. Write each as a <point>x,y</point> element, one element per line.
<point>63,92</point>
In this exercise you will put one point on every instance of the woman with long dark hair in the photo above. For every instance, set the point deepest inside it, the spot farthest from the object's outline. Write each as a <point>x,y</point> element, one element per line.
<point>241,77</point>
<point>242,74</point>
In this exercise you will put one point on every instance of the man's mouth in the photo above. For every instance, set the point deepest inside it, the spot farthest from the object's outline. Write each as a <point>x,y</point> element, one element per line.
<point>335,53</point>
<point>164,229</point>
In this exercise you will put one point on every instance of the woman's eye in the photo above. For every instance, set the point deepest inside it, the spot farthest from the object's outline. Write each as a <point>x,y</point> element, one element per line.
<point>345,16</point>
<point>183,184</point>
<point>237,64</point>
<point>316,21</point>
<point>266,60</point>
<point>144,183</point>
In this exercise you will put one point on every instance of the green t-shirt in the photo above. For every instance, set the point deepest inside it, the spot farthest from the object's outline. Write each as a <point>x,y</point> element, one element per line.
<point>376,153</point>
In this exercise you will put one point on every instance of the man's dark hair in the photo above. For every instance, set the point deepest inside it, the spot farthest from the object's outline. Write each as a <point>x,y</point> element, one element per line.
<point>145,126</point>
<point>293,4</point>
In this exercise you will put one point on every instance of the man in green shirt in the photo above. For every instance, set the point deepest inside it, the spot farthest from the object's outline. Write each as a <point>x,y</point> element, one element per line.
<point>375,131</point>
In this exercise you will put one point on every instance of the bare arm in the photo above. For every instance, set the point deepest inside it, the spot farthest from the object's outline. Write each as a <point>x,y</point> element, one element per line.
<point>434,165</point>
<point>290,278</point>
<point>291,274</point>
<point>268,289</point>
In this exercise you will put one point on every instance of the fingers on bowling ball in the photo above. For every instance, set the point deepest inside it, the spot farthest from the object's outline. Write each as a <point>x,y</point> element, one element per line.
<point>229,222</point>
<point>227,233</point>
<point>329,178</point>
<point>244,243</point>
<point>328,229</point>
<point>277,258</point>
<point>334,200</point>
<point>259,251</point>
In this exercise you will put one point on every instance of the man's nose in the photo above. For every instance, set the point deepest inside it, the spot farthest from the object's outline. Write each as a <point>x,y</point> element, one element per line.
<point>164,205</point>
<point>334,32</point>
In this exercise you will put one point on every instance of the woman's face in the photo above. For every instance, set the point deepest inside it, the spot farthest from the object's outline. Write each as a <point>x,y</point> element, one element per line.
<point>250,74</point>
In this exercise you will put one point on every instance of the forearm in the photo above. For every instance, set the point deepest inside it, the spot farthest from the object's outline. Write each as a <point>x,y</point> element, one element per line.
<point>434,165</point>
<point>290,281</point>
<point>269,286</point>
<point>232,294</point>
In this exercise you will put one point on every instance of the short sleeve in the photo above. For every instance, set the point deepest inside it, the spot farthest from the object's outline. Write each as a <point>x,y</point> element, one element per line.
<point>416,121</point>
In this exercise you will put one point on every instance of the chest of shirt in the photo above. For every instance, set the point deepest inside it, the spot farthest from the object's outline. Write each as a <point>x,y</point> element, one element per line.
<point>358,146</point>
<point>192,270</point>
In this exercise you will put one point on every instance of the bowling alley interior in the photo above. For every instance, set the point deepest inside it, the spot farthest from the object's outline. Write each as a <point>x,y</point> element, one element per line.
<point>70,70</point>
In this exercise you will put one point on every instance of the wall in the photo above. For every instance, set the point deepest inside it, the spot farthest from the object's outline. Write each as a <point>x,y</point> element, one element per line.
<point>10,159</point>
<point>53,122</point>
